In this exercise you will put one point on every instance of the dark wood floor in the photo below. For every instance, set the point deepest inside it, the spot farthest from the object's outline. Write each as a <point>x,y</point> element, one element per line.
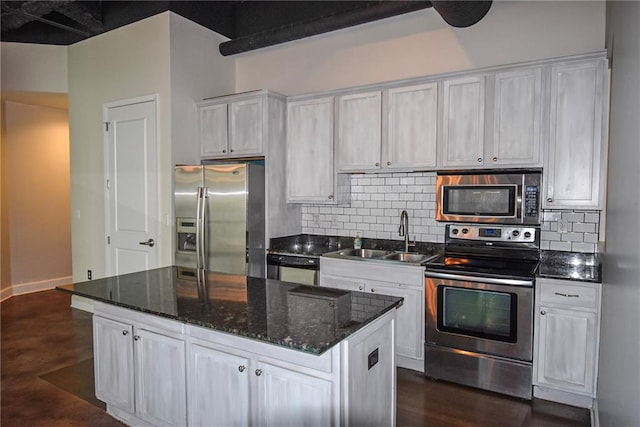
<point>47,380</point>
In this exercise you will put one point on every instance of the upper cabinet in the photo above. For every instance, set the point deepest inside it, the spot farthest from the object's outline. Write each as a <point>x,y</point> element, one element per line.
<point>388,130</point>
<point>576,157</point>
<point>411,115</point>
<point>234,126</point>
<point>492,120</point>
<point>359,131</point>
<point>311,176</point>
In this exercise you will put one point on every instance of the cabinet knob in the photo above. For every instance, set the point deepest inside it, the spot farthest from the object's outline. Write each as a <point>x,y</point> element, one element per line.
<point>224,151</point>
<point>125,332</point>
<point>136,337</point>
<point>361,288</point>
<point>330,196</point>
<point>543,312</point>
<point>388,163</point>
<point>549,200</point>
<point>377,164</point>
<point>258,372</point>
<point>479,159</point>
<point>373,290</point>
<point>231,150</point>
<point>495,159</point>
<point>241,368</point>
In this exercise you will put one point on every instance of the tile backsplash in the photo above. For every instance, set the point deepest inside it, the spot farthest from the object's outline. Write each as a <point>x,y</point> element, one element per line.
<point>378,199</point>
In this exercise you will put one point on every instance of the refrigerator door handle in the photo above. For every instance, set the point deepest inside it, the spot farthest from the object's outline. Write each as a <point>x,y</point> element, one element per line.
<point>200,235</point>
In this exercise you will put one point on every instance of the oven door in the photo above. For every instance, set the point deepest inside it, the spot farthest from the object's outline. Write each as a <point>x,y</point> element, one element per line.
<point>474,314</point>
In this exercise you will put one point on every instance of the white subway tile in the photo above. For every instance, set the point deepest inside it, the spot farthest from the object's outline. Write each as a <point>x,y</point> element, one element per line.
<point>583,247</point>
<point>573,216</point>
<point>584,227</point>
<point>560,246</point>
<point>592,217</point>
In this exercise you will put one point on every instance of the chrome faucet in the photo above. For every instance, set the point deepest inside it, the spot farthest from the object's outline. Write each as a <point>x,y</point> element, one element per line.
<point>403,230</point>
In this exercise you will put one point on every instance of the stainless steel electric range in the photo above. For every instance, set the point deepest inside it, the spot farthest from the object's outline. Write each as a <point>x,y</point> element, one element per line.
<point>479,308</point>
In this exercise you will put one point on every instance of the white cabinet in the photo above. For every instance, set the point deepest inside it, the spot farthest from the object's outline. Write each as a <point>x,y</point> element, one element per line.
<point>411,127</point>
<point>463,122</point>
<point>576,157</point>
<point>229,386</point>
<point>396,280</point>
<point>235,126</point>
<point>311,176</point>
<point>493,120</point>
<point>133,365</point>
<point>359,131</point>
<point>388,130</point>
<point>567,324</point>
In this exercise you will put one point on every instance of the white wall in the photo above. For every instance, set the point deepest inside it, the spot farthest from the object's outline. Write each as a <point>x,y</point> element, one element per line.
<point>34,67</point>
<point>129,62</point>
<point>421,43</point>
<point>619,370</point>
<point>198,71</point>
<point>36,193</point>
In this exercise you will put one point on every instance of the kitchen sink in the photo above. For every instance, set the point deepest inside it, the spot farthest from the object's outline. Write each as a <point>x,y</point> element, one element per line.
<point>362,253</point>
<point>379,255</point>
<point>406,257</point>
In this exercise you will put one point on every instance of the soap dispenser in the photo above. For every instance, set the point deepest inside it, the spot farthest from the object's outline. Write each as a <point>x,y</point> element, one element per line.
<point>357,242</point>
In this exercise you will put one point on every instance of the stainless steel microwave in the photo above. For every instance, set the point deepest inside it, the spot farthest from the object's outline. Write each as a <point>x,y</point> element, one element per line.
<point>495,197</point>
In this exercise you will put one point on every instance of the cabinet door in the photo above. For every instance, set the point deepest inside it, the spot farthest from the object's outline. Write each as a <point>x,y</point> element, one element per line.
<point>160,378</point>
<point>310,169</point>
<point>567,349</point>
<point>246,123</point>
<point>284,396</point>
<point>412,114</point>
<point>463,122</point>
<point>359,131</point>
<point>574,166</point>
<point>113,362</point>
<point>218,387</point>
<point>517,118</point>
<point>214,127</point>
<point>409,321</point>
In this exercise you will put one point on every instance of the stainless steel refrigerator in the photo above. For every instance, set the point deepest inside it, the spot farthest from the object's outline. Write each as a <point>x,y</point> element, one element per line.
<point>220,217</point>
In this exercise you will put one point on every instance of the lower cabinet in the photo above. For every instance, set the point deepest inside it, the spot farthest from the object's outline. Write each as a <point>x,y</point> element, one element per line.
<point>138,371</point>
<point>402,281</point>
<point>566,341</point>
<point>248,388</point>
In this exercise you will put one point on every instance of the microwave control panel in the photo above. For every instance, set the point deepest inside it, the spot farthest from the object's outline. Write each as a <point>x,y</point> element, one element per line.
<point>531,201</point>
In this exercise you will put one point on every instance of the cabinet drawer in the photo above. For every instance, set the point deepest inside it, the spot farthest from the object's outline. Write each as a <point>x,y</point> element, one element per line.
<point>569,295</point>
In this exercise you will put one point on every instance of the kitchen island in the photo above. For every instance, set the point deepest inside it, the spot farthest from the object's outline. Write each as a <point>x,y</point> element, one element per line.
<point>176,346</point>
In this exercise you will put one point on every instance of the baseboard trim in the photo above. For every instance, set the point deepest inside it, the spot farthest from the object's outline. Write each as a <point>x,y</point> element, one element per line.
<point>595,416</point>
<point>30,287</point>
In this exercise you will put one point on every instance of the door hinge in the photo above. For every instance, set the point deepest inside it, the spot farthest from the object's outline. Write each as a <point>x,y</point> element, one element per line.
<point>106,126</point>
<point>108,240</point>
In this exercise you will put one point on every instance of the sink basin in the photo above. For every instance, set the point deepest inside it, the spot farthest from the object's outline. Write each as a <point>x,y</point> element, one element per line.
<point>405,257</point>
<point>363,253</point>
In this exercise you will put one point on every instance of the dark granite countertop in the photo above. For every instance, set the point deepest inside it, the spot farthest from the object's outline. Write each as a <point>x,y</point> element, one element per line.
<point>570,266</point>
<point>305,318</point>
<point>317,245</point>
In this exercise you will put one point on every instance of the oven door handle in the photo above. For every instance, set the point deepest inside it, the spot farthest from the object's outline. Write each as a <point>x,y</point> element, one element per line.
<point>492,280</point>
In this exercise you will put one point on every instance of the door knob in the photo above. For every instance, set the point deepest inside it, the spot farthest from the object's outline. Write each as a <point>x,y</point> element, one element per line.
<point>149,243</point>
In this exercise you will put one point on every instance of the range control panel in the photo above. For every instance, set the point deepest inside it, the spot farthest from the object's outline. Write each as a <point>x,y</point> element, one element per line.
<point>492,233</point>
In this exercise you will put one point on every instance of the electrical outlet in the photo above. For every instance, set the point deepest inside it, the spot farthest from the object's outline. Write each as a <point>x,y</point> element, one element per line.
<point>334,221</point>
<point>89,274</point>
<point>315,219</point>
<point>563,226</point>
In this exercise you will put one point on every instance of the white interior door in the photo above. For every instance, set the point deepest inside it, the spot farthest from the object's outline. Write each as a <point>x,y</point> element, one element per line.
<point>132,187</point>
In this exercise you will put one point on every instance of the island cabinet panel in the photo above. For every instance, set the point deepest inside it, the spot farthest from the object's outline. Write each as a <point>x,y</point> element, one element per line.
<point>286,396</point>
<point>113,362</point>
<point>160,378</point>
<point>219,387</point>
